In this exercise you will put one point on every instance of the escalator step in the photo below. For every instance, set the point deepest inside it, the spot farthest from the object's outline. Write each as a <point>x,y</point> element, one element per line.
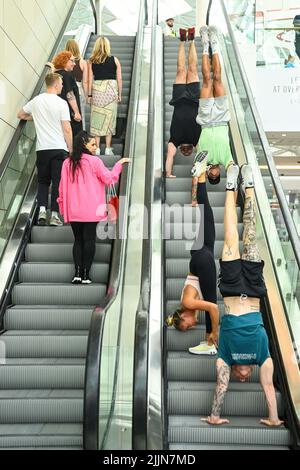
<point>45,346</point>
<point>42,376</point>
<point>46,435</point>
<point>41,406</point>
<point>183,366</point>
<point>239,431</point>
<point>195,447</point>
<point>47,318</point>
<point>195,398</point>
<point>42,293</point>
<point>181,248</point>
<point>189,231</point>
<point>63,252</point>
<point>59,272</point>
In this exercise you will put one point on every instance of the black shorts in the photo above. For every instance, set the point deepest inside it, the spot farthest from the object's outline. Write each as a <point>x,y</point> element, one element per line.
<point>185,92</point>
<point>240,277</point>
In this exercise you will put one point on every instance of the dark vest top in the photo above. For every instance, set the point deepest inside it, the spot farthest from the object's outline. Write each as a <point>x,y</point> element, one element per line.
<point>105,71</point>
<point>77,72</point>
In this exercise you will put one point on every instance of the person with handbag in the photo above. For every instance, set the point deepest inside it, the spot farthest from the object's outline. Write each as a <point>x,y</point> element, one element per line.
<point>82,199</point>
<point>104,93</point>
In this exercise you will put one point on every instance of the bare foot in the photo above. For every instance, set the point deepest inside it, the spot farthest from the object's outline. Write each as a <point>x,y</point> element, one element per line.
<point>215,420</point>
<point>271,422</point>
<point>170,176</point>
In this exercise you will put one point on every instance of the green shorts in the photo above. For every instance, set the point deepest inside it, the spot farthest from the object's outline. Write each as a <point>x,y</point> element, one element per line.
<point>215,140</point>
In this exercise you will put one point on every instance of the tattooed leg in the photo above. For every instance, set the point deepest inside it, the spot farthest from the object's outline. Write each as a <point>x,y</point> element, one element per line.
<point>194,191</point>
<point>223,376</point>
<point>231,241</point>
<point>250,248</point>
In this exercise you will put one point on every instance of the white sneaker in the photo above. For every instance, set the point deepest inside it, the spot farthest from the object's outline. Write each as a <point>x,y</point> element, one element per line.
<point>55,221</point>
<point>200,161</point>
<point>98,152</point>
<point>203,32</point>
<point>232,177</point>
<point>247,178</point>
<point>213,37</point>
<point>109,151</point>
<point>204,349</point>
<point>42,218</point>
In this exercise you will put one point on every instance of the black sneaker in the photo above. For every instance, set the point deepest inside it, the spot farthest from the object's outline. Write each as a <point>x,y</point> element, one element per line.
<point>86,278</point>
<point>77,279</point>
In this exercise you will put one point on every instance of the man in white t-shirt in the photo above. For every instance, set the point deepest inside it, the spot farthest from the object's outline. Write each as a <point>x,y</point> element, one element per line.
<point>51,117</point>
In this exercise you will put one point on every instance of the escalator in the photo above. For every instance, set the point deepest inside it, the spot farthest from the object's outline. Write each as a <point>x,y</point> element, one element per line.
<point>190,380</point>
<point>46,323</point>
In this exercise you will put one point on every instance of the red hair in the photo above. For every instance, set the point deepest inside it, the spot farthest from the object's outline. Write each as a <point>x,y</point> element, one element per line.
<point>61,59</point>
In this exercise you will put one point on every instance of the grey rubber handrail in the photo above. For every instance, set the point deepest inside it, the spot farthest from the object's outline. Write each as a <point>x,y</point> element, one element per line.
<point>95,16</point>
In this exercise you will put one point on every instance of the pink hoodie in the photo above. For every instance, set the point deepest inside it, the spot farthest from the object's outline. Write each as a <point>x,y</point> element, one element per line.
<point>83,200</point>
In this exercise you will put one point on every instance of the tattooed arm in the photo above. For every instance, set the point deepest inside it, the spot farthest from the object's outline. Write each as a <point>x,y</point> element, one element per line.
<point>223,377</point>
<point>73,103</point>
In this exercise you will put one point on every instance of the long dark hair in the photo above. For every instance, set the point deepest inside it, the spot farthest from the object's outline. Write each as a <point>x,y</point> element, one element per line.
<point>79,147</point>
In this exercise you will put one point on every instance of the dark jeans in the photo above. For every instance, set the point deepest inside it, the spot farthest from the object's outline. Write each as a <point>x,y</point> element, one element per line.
<point>49,164</point>
<point>85,243</point>
<point>76,127</point>
<point>202,262</point>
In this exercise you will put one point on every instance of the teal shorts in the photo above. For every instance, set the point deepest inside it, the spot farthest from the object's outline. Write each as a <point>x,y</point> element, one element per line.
<point>243,340</point>
<point>215,140</point>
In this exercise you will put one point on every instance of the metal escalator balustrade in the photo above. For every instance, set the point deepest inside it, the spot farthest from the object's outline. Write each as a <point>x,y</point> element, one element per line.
<point>191,379</point>
<point>46,327</point>
<point>108,398</point>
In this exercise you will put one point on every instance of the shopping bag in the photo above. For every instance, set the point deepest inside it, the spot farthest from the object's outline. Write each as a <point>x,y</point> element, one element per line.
<point>112,204</point>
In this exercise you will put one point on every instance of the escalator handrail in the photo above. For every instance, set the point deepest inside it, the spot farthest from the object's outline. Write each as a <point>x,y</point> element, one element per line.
<point>94,349</point>
<point>289,223</point>
<point>141,345</point>
<point>208,11</point>
<point>95,15</point>
<point>17,134</point>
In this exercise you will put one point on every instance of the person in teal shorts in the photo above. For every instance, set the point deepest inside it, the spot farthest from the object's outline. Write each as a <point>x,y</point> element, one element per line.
<point>243,341</point>
<point>213,114</point>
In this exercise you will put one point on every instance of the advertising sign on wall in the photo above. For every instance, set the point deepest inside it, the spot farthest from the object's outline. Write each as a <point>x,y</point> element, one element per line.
<point>277,95</point>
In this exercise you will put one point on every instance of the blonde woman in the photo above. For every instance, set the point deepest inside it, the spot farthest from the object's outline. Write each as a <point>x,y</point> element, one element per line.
<point>105,91</point>
<point>80,73</point>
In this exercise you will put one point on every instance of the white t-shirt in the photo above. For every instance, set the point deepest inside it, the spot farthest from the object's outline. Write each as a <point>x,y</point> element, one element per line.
<point>48,110</point>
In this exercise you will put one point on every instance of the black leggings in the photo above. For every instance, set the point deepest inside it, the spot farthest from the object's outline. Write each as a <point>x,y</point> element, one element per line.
<point>202,262</point>
<point>85,243</point>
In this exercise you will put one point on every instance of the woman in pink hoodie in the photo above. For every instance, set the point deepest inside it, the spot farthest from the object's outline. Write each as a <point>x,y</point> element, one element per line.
<point>82,199</point>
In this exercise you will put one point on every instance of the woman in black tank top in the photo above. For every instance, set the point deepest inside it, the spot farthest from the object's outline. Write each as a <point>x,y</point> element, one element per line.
<point>80,73</point>
<point>104,92</point>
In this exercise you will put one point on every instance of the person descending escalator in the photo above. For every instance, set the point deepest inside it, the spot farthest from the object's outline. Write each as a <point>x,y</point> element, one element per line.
<point>82,200</point>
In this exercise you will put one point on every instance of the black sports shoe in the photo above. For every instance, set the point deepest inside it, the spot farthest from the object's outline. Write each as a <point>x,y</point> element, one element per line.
<point>77,277</point>
<point>86,278</point>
